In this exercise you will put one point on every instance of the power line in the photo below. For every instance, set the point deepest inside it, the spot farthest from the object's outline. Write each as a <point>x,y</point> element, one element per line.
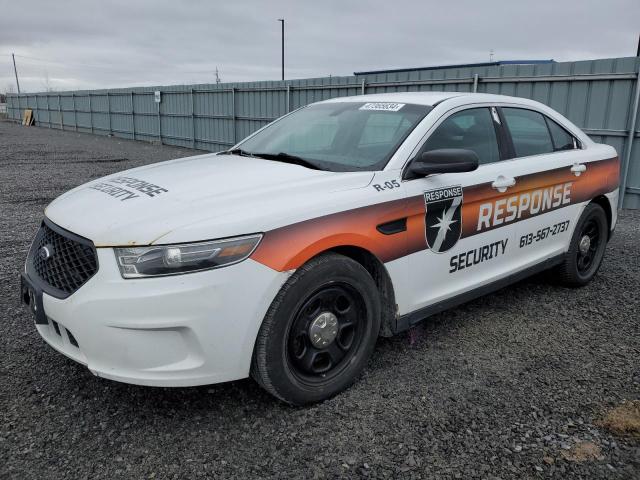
<point>114,69</point>
<point>61,64</point>
<point>66,64</point>
<point>102,67</point>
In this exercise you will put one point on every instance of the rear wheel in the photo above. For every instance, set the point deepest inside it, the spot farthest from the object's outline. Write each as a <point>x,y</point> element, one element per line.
<point>319,331</point>
<point>585,254</point>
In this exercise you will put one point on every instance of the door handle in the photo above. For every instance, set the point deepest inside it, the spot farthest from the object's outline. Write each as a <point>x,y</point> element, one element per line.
<point>578,168</point>
<point>502,183</point>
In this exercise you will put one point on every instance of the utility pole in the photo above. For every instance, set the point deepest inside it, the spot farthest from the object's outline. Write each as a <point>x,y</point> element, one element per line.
<point>15,71</point>
<point>281,20</point>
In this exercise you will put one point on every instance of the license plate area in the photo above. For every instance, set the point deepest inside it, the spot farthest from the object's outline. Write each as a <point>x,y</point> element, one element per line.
<point>31,296</point>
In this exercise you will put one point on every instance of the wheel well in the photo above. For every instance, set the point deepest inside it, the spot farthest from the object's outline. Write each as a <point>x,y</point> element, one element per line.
<point>380,275</point>
<point>606,206</point>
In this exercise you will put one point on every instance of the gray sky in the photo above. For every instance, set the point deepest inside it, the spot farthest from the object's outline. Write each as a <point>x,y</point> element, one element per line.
<point>66,45</point>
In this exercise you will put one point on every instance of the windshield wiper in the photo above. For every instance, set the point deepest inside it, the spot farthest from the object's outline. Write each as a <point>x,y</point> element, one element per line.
<point>236,151</point>
<point>278,157</point>
<point>287,158</point>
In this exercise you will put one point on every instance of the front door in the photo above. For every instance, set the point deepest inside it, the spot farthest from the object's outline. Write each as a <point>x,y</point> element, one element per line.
<point>461,252</point>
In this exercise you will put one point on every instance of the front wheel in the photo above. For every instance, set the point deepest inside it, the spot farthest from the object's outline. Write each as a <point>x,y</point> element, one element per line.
<point>585,254</point>
<point>319,331</point>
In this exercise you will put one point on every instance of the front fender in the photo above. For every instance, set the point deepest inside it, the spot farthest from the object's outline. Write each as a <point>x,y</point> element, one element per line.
<point>289,247</point>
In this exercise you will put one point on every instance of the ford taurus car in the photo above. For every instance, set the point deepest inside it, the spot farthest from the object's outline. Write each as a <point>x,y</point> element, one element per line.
<point>285,257</point>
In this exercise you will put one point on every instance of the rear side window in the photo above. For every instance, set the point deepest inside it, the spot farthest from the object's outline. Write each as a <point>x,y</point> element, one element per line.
<point>562,140</point>
<point>529,132</point>
<point>469,129</point>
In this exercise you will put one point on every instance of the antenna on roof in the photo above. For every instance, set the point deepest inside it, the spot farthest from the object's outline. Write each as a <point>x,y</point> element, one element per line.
<point>217,76</point>
<point>491,55</point>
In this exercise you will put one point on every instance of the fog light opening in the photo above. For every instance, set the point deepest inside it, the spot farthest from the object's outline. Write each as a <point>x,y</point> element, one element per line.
<point>72,339</point>
<point>56,327</point>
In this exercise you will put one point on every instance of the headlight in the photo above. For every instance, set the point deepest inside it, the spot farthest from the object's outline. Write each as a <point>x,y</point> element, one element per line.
<point>137,262</point>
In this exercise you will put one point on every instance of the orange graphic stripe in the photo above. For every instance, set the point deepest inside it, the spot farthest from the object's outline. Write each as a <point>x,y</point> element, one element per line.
<point>289,247</point>
<point>600,177</point>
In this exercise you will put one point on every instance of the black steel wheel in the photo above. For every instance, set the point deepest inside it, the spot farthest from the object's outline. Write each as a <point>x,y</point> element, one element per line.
<point>326,332</point>
<point>319,331</point>
<point>588,243</point>
<point>586,251</point>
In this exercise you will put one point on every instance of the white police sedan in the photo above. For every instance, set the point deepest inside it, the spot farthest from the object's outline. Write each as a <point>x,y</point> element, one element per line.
<point>285,257</point>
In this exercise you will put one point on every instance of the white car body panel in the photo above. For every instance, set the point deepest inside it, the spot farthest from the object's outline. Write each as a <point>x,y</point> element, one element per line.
<point>200,328</point>
<point>208,196</point>
<point>166,331</point>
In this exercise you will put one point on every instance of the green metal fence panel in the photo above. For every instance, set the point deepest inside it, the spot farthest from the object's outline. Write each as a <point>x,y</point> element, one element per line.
<point>600,96</point>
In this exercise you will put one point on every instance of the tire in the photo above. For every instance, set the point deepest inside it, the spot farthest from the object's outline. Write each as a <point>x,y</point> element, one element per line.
<point>330,296</point>
<point>578,267</point>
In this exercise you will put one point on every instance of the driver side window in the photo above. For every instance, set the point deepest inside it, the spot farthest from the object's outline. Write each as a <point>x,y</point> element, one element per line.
<point>471,129</point>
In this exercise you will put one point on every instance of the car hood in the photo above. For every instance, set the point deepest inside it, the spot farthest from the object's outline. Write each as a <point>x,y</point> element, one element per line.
<point>198,198</point>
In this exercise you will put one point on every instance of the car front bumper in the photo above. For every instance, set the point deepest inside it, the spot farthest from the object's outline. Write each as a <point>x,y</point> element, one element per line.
<point>182,330</point>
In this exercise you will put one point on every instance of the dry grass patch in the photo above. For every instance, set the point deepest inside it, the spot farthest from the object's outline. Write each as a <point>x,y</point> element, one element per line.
<point>624,419</point>
<point>582,452</point>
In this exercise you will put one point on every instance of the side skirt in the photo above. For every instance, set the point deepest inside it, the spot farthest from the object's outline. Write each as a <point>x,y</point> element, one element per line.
<point>408,320</point>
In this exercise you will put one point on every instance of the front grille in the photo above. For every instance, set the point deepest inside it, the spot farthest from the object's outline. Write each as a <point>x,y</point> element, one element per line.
<point>71,260</point>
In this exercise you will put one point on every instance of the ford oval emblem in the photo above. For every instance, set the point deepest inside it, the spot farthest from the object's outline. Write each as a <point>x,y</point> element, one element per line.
<point>46,252</point>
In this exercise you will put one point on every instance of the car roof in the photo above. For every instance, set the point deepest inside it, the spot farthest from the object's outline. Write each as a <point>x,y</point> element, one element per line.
<point>433,98</point>
<point>445,101</point>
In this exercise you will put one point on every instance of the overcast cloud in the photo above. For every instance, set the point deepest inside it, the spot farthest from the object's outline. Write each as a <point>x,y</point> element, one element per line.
<point>65,45</point>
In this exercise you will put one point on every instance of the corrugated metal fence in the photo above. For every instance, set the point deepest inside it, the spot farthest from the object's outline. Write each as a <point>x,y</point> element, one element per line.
<point>600,96</point>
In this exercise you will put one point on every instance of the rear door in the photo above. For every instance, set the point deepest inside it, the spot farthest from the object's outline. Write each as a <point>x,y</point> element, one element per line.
<point>546,167</point>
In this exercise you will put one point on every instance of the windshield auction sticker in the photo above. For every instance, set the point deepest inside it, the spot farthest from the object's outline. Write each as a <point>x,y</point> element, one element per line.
<point>384,107</point>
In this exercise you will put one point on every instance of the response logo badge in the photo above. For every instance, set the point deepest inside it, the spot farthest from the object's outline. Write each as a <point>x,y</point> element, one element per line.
<point>443,218</point>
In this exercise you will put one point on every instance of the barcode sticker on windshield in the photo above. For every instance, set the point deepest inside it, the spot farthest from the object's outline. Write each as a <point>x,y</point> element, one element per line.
<point>386,107</point>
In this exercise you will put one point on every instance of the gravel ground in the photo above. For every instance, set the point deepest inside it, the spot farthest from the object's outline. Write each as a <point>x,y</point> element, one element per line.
<point>509,386</point>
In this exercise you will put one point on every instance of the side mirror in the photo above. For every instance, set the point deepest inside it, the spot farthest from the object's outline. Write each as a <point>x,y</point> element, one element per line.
<point>444,160</point>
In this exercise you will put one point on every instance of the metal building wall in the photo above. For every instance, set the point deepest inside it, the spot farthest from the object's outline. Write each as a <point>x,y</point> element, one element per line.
<point>600,96</point>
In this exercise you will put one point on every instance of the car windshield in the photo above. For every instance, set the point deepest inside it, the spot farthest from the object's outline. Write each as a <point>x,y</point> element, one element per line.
<point>340,136</point>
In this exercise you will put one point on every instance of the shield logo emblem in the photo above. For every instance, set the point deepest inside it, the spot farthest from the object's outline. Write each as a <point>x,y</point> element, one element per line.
<point>443,219</point>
